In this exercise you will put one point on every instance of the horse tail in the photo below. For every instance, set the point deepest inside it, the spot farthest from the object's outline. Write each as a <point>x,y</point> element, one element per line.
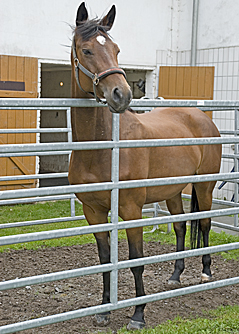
<point>195,238</point>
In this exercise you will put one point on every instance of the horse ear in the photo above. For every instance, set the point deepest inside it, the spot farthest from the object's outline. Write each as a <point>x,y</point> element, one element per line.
<point>82,14</point>
<point>108,20</point>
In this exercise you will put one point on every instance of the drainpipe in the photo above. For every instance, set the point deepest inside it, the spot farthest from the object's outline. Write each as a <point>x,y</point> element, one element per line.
<point>194,33</point>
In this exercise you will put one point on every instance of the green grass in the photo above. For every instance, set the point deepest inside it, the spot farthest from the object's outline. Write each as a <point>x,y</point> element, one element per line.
<point>222,320</point>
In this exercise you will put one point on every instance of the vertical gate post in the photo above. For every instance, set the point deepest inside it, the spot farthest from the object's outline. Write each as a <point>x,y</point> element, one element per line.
<point>69,137</point>
<point>236,168</point>
<point>114,211</point>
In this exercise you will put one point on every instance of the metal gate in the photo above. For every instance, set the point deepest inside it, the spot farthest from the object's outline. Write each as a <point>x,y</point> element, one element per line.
<point>115,225</point>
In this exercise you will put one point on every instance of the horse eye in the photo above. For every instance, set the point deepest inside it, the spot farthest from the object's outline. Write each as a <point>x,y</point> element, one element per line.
<point>87,52</point>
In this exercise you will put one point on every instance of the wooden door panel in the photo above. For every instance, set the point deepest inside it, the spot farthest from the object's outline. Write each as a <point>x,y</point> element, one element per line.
<point>186,82</point>
<point>20,74</point>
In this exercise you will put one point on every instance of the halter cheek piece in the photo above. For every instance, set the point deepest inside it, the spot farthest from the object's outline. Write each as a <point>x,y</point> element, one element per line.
<point>94,77</point>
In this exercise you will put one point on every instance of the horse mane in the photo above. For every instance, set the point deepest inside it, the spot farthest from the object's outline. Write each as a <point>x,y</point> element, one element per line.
<point>90,28</point>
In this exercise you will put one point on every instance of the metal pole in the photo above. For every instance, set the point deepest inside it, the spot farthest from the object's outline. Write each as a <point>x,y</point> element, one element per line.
<point>114,211</point>
<point>194,33</point>
<point>69,137</point>
<point>236,168</point>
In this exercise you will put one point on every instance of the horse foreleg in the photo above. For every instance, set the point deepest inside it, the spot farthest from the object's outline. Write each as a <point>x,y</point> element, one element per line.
<point>96,216</point>
<point>175,206</point>
<point>135,240</point>
<point>102,240</point>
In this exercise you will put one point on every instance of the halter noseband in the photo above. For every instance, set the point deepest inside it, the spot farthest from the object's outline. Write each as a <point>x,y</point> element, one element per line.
<point>94,77</point>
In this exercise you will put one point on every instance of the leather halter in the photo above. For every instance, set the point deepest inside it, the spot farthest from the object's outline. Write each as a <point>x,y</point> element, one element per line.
<point>94,77</point>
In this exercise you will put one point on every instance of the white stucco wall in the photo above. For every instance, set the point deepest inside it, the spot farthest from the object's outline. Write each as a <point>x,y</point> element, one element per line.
<point>218,24</point>
<point>41,28</point>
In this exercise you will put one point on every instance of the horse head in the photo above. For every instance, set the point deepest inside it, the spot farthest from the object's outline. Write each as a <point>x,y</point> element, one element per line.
<point>94,57</point>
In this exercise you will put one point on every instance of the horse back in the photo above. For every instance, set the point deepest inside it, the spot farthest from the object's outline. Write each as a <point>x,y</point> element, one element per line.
<point>177,123</point>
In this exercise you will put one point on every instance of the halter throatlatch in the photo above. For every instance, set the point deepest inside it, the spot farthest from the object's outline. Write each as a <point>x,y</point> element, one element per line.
<point>94,77</point>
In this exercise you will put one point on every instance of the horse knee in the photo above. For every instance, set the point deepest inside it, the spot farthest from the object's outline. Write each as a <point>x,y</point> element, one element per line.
<point>102,240</point>
<point>137,271</point>
<point>180,228</point>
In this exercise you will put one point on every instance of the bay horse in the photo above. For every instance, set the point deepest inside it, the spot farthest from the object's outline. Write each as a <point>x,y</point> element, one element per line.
<point>93,51</point>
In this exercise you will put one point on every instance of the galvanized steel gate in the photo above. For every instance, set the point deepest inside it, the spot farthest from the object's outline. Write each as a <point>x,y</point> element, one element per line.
<point>115,225</point>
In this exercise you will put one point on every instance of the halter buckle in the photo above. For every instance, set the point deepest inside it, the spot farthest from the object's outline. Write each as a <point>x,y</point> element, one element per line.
<point>96,80</point>
<point>76,62</point>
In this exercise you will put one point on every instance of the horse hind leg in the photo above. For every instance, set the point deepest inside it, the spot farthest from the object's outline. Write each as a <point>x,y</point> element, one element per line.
<point>204,197</point>
<point>175,206</point>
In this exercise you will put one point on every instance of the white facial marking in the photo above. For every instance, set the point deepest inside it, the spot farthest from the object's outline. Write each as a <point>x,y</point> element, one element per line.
<point>101,40</point>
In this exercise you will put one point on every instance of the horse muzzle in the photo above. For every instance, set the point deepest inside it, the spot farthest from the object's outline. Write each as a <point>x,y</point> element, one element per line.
<point>119,99</point>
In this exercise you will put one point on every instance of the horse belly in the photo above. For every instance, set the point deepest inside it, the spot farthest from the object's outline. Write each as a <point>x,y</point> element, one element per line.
<point>161,193</point>
<point>171,162</point>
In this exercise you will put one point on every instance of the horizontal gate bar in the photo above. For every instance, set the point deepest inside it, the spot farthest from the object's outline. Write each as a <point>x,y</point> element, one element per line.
<point>35,153</point>
<point>36,199</point>
<point>114,185</point>
<point>33,176</point>
<point>225,226</point>
<point>215,201</point>
<point>37,236</point>
<point>15,103</point>
<point>60,220</point>
<point>27,148</point>
<point>31,130</point>
<point>120,304</point>
<point>41,221</point>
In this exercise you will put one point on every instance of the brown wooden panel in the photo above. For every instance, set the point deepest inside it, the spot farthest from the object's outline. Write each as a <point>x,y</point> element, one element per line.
<point>4,185</point>
<point>4,68</point>
<point>18,70</point>
<point>186,82</point>
<point>12,69</point>
<point>187,87</point>
<point>180,81</point>
<point>201,82</point>
<point>12,93</point>
<point>172,81</point>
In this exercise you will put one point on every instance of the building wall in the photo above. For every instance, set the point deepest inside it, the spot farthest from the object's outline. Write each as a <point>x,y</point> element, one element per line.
<point>42,28</point>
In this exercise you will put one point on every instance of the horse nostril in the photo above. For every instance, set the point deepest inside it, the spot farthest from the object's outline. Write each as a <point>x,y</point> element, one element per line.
<point>117,95</point>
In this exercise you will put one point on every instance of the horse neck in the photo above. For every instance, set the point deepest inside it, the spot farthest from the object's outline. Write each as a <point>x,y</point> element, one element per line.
<point>90,124</point>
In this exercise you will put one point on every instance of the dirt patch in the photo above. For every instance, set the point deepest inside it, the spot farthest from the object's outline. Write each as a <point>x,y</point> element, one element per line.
<point>67,295</point>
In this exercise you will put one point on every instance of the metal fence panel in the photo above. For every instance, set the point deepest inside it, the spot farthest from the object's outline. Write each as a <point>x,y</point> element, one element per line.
<point>113,186</point>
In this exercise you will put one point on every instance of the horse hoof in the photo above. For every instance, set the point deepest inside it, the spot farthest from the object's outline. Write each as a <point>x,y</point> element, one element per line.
<point>101,320</point>
<point>134,325</point>
<point>174,282</point>
<point>205,278</point>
